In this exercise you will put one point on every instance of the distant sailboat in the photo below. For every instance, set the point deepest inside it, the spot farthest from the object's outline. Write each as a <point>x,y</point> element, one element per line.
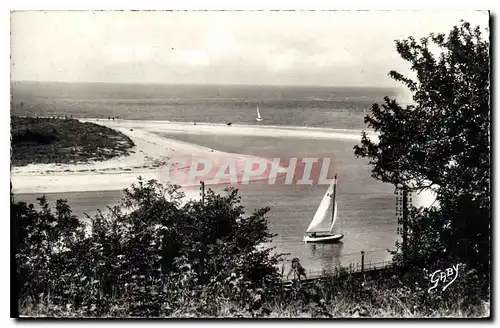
<point>321,215</point>
<point>259,118</point>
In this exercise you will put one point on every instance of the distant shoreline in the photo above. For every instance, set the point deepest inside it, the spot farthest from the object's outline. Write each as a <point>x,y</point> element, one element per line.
<point>241,129</point>
<point>100,120</point>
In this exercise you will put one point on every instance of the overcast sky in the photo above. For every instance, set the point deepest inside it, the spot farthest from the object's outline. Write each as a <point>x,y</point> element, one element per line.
<point>290,48</point>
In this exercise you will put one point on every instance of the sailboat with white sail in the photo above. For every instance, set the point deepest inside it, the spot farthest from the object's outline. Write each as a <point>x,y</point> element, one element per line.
<point>322,214</point>
<point>259,118</point>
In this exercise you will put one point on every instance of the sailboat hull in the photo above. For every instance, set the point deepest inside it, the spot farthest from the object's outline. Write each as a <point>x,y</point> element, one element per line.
<point>259,119</point>
<point>325,239</point>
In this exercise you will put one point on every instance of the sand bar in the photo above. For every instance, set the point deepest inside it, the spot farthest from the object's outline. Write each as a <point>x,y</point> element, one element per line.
<point>149,154</point>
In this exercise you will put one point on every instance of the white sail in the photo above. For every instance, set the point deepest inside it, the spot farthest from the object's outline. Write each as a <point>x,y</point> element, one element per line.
<point>323,209</point>
<point>258,112</point>
<point>334,217</point>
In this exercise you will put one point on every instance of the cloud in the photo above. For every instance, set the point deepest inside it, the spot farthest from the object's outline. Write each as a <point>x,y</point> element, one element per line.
<point>332,48</point>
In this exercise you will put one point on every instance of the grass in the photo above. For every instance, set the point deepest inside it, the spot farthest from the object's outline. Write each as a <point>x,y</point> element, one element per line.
<point>330,298</point>
<point>340,307</point>
<point>64,141</point>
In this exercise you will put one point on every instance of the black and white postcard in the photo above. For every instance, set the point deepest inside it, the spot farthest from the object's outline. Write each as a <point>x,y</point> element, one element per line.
<point>250,164</point>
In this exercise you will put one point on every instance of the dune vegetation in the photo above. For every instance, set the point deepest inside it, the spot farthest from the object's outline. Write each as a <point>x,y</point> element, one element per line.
<point>64,141</point>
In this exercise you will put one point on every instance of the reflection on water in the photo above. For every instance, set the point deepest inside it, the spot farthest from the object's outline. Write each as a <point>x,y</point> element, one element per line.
<point>328,254</point>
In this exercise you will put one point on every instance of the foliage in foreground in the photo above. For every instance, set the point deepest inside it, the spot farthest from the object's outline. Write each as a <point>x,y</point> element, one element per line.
<point>51,140</point>
<point>150,255</point>
<point>153,256</point>
<point>441,142</point>
<point>367,299</point>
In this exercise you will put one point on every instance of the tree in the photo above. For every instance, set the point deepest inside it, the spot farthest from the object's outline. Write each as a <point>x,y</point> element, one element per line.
<point>150,255</point>
<point>441,142</point>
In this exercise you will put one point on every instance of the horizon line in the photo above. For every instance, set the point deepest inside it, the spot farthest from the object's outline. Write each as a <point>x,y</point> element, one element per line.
<point>206,84</point>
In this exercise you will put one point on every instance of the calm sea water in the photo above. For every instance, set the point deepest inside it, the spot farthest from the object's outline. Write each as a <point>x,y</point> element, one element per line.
<point>366,206</point>
<point>302,106</point>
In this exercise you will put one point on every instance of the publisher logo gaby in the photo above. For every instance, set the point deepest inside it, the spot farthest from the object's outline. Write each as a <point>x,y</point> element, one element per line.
<point>240,170</point>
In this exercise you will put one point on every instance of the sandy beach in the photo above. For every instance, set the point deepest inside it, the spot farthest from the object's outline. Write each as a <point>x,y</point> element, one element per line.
<point>152,151</point>
<point>149,155</point>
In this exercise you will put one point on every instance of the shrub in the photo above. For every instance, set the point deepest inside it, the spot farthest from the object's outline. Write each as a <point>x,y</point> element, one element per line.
<point>149,256</point>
